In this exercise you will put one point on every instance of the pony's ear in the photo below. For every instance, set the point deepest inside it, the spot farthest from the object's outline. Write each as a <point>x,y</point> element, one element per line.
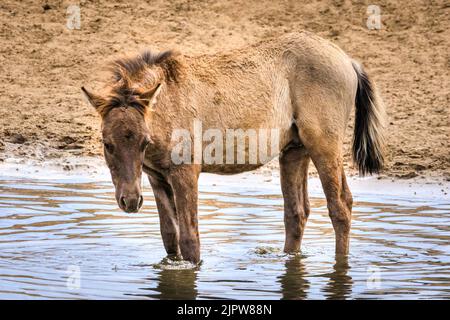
<point>151,95</point>
<point>95,100</point>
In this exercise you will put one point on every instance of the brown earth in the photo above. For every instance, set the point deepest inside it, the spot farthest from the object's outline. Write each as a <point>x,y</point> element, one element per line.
<point>43,64</point>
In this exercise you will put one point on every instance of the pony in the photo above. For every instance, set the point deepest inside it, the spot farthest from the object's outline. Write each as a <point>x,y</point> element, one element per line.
<point>299,84</point>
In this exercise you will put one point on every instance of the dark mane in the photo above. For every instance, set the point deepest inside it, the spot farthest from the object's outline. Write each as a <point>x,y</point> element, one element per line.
<point>131,67</point>
<point>130,77</point>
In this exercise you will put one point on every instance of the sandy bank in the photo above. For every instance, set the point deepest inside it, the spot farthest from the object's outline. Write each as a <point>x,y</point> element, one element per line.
<point>43,65</point>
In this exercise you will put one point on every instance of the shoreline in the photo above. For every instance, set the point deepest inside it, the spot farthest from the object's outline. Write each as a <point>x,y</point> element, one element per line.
<point>259,182</point>
<point>39,51</point>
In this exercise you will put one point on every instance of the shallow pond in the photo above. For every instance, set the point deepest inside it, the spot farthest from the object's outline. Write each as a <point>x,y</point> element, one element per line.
<point>66,239</point>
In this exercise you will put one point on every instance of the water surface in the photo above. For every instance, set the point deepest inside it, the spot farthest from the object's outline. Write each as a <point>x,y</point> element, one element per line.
<point>68,240</point>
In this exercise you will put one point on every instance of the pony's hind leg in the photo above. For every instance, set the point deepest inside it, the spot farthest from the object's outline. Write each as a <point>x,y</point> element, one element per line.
<point>339,200</point>
<point>322,102</point>
<point>327,158</point>
<point>294,162</point>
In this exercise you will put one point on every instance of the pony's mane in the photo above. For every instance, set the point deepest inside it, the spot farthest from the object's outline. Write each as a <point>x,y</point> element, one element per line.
<point>132,67</point>
<point>130,77</point>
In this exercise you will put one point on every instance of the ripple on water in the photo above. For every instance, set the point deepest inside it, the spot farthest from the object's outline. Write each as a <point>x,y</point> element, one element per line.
<point>54,232</point>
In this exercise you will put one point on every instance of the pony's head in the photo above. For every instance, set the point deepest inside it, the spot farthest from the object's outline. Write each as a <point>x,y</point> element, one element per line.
<point>124,110</point>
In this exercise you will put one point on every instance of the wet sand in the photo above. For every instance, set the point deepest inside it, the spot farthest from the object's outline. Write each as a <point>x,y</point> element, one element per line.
<point>265,178</point>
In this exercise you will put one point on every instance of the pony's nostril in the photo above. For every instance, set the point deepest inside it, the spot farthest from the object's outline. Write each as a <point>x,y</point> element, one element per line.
<point>123,202</point>
<point>141,201</point>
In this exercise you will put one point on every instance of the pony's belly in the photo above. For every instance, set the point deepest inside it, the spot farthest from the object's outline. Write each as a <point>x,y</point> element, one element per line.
<point>226,169</point>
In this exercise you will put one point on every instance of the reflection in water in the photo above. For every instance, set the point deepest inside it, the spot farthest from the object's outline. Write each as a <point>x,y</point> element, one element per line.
<point>339,285</point>
<point>294,284</point>
<point>176,284</point>
<point>49,228</point>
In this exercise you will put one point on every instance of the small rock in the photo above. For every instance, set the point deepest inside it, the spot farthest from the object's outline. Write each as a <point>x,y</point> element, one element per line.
<point>72,146</point>
<point>419,167</point>
<point>67,140</point>
<point>17,138</point>
<point>409,175</point>
<point>334,33</point>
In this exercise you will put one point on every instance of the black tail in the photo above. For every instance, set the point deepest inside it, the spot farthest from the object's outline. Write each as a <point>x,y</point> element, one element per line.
<point>368,141</point>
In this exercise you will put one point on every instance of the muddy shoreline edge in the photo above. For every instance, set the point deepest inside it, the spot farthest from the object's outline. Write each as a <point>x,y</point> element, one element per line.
<point>264,180</point>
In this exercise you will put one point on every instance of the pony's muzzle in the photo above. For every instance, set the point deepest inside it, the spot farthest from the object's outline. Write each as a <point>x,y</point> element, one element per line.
<point>131,204</point>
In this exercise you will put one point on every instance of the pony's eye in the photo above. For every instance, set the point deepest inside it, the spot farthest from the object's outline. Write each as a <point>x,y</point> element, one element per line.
<point>108,147</point>
<point>144,144</point>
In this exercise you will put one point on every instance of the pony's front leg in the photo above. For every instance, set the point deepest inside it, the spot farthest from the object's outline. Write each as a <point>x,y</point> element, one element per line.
<point>167,213</point>
<point>184,182</point>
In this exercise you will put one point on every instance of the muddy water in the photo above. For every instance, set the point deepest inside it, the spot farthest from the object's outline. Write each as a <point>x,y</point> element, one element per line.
<point>68,240</point>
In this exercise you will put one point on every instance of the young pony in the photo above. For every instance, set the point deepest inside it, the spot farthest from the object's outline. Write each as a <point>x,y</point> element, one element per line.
<point>300,84</point>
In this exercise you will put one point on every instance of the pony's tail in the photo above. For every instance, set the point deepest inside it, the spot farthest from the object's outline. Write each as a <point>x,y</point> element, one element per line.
<point>368,140</point>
